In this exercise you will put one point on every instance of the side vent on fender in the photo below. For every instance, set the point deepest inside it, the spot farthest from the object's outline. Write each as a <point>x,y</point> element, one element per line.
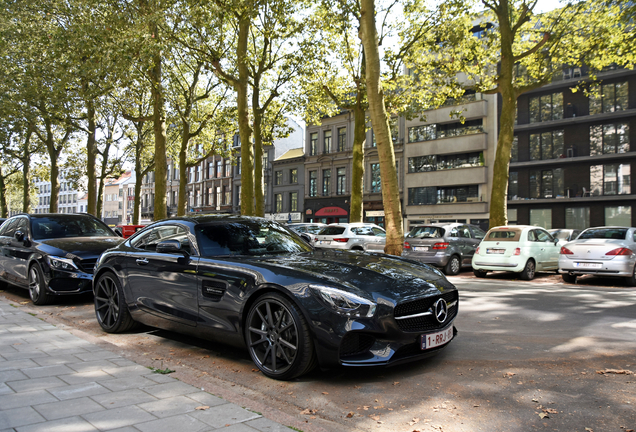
<point>214,289</point>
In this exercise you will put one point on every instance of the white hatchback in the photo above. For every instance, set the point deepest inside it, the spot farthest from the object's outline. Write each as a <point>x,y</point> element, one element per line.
<point>521,249</point>
<point>352,236</point>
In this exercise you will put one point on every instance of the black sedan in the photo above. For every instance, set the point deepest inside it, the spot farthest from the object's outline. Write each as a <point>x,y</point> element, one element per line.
<point>254,283</point>
<point>52,254</point>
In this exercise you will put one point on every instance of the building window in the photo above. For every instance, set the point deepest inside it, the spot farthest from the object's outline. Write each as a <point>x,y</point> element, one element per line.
<point>442,195</point>
<point>326,182</point>
<point>293,201</point>
<point>610,179</point>
<point>278,178</point>
<point>218,196</point>
<point>210,196</point>
<point>278,202</point>
<point>238,195</point>
<point>608,97</point>
<point>226,195</point>
<point>197,198</point>
<point>313,183</point>
<point>514,150</point>
<point>376,185</point>
<point>444,162</point>
<point>618,216</point>
<point>546,108</point>
<point>577,217</point>
<point>219,168</point>
<point>341,181</point>
<point>210,170</point>
<point>546,183</point>
<point>313,143</point>
<point>513,185</point>
<point>238,166</point>
<point>293,176</point>
<point>326,141</point>
<point>609,138</point>
<point>541,218</point>
<point>265,160</point>
<point>547,145</point>
<point>446,130</point>
<point>228,168</point>
<point>342,139</point>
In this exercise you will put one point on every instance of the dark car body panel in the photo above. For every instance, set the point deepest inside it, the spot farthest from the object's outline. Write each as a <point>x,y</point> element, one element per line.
<point>209,296</point>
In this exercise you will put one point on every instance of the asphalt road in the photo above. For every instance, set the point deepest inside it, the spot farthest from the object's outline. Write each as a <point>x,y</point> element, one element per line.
<point>538,355</point>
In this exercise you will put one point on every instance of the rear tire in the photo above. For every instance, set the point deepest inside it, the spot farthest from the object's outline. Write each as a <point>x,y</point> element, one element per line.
<point>568,278</point>
<point>111,309</point>
<point>453,266</point>
<point>529,271</point>
<point>631,281</point>
<point>37,287</point>
<point>480,273</point>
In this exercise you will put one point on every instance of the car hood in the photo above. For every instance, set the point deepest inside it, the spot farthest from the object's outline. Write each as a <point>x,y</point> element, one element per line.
<point>377,275</point>
<point>78,246</point>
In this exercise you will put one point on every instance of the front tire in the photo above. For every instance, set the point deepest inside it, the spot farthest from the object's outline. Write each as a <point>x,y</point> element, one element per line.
<point>110,305</point>
<point>37,287</point>
<point>529,271</point>
<point>453,266</point>
<point>278,338</point>
<point>631,281</point>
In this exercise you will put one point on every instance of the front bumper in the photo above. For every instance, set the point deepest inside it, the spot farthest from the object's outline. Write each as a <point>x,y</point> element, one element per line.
<point>60,282</point>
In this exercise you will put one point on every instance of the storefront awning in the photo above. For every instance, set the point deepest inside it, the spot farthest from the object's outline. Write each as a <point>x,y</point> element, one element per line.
<point>331,211</point>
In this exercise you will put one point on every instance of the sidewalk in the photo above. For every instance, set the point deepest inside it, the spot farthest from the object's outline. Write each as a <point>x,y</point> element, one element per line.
<point>53,381</point>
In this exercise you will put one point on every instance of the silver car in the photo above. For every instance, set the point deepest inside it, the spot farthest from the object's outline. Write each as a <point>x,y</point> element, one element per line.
<point>307,231</point>
<point>601,251</point>
<point>352,236</point>
<point>449,246</point>
<point>564,235</point>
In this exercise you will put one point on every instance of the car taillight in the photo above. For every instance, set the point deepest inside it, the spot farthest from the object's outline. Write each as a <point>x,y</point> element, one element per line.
<point>517,251</point>
<point>440,245</point>
<point>341,240</point>
<point>566,251</point>
<point>477,251</point>
<point>407,245</point>
<point>620,251</point>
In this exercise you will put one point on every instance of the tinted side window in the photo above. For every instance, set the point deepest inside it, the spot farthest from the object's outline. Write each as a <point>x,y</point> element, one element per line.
<point>22,225</point>
<point>332,231</point>
<point>363,231</point>
<point>543,236</point>
<point>145,239</point>
<point>464,232</point>
<point>8,228</point>
<point>532,236</point>
<point>454,232</point>
<point>479,233</point>
<point>378,232</point>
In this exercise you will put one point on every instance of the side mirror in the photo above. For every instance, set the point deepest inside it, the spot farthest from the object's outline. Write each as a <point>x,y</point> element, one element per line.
<point>19,235</point>
<point>170,247</point>
<point>556,241</point>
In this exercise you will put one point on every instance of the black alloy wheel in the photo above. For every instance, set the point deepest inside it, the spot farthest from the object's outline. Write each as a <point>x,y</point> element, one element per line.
<point>110,306</point>
<point>37,287</point>
<point>278,338</point>
<point>528,271</point>
<point>453,266</point>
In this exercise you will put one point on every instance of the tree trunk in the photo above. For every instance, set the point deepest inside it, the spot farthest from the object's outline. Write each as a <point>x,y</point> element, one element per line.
<point>139,175</point>
<point>26,172</point>
<point>245,132</point>
<point>91,157</point>
<point>161,164</point>
<point>381,128</point>
<point>55,171</point>
<point>183,181</point>
<point>259,169</point>
<point>3,196</point>
<point>357,170</point>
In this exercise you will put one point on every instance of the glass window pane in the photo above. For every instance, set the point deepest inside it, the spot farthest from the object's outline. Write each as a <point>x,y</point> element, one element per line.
<point>535,147</point>
<point>541,218</point>
<point>557,106</point>
<point>596,180</point>
<point>596,140</point>
<point>546,184</point>
<point>534,110</point>
<point>535,184</point>
<point>546,145</point>
<point>513,185</point>
<point>595,100</point>
<point>621,96</point>
<point>558,150</point>
<point>624,179</point>
<point>514,150</point>
<point>577,218</point>
<point>558,182</point>
<point>618,216</point>
<point>608,97</point>
<point>609,139</point>
<point>546,108</point>
<point>622,133</point>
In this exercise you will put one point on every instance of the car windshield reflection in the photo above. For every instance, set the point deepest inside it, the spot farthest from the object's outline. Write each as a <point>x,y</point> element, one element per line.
<point>45,228</point>
<point>248,238</point>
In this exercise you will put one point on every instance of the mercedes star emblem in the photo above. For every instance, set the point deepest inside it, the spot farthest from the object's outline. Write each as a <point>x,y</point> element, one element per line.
<point>441,310</point>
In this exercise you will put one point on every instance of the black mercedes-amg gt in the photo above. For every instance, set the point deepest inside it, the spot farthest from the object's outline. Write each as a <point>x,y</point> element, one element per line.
<point>254,283</point>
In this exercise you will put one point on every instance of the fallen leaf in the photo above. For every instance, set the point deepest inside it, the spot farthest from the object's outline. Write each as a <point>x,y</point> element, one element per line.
<point>349,415</point>
<point>475,406</point>
<point>509,374</point>
<point>520,383</point>
<point>396,383</point>
<point>366,408</point>
<point>325,393</point>
<point>550,410</point>
<point>308,411</point>
<point>543,415</point>
<point>589,429</point>
<point>313,417</point>
<point>414,421</point>
<point>374,417</point>
<point>535,400</point>
<point>202,407</point>
<point>615,371</point>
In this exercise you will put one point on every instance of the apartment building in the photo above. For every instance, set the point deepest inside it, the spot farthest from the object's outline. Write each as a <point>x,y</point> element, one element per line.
<point>288,186</point>
<point>67,198</point>
<point>573,152</point>
<point>113,206</point>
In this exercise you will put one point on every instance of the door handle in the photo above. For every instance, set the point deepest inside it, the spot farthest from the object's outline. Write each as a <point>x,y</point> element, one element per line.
<point>143,261</point>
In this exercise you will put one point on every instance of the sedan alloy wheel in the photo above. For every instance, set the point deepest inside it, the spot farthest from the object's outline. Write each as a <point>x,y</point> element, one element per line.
<point>37,287</point>
<point>110,307</point>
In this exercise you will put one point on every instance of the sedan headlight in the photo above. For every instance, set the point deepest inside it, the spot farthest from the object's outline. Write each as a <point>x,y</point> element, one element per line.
<point>62,263</point>
<point>343,302</point>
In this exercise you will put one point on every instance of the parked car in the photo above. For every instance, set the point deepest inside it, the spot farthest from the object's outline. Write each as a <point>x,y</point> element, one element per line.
<point>517,248</point>
<point>307,231</point>
<point>52,254</point>
<point>564,235</point>
<point>601,251</point>
<point>449,246</point>
<point>253,283</point>
<point>352,236</point>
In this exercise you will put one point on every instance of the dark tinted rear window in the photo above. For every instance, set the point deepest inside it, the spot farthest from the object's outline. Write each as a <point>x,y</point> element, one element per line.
<point>604,233</point>
<point>426,232</point>
<point>332,231</point>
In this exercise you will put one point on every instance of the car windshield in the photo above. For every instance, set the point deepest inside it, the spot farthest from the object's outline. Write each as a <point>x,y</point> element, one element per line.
<point>503,234</point>
<point>313,229</point>
<point>604,233</point>
<point>426,232</point>
<point>248,238</point>
<point>52,227</point>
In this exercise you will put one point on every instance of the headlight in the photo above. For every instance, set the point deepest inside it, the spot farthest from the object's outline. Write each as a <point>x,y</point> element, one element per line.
<point>63,263</point>
<point>343,302</point>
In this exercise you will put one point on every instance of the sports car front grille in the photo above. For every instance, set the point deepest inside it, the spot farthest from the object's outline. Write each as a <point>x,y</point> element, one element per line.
<point>427,322</point>
<point>88,265</point>
<point>355,343</point>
